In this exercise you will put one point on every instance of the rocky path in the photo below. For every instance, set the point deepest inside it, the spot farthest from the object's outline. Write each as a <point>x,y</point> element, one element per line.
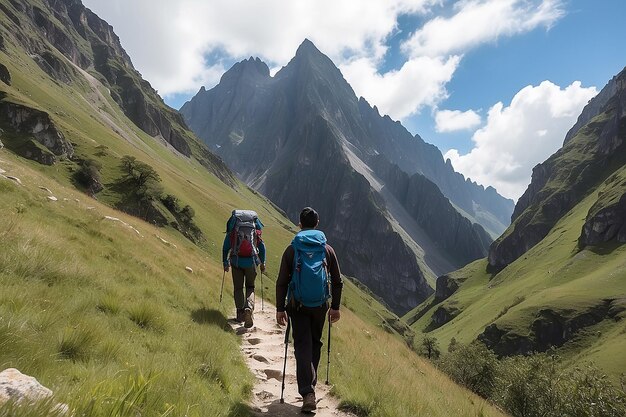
<point>263,346</point>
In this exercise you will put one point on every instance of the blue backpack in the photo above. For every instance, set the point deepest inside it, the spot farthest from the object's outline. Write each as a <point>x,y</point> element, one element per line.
<point>309,281</point>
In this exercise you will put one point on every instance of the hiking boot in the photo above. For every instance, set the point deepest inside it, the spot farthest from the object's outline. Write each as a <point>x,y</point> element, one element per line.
<point>308,403</point>
<point>240,315</point>
<point>248,321</point>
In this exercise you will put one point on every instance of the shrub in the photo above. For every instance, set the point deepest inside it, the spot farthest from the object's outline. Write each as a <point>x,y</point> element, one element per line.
<point>473,366</point>
<point>589,393</point>
<point>530,386</point>
<point>88,175</point>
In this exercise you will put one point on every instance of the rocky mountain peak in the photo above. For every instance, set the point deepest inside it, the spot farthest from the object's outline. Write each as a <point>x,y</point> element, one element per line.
<point>307,48</point>
<point>251,68</point>
<point>311,62</point>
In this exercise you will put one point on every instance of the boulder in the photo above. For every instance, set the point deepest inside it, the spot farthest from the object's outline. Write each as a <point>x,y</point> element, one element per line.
<point>23,389</point>
<point>18,387</point>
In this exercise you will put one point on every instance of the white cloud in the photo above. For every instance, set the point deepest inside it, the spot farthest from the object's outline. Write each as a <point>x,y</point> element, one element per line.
<point>480,21</point>
<point>454,120</point>
<point>180,45</point>
<point>169,44</point>
<point>420,82</point>
<point>519,136</point>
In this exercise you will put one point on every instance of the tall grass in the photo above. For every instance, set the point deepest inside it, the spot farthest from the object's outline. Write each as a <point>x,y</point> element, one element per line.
<point>83,308</point>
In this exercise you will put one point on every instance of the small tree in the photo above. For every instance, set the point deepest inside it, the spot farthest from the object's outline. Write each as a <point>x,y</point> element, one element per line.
<point>430,347</point>
<point>142,178</point>
<point>452,345</point>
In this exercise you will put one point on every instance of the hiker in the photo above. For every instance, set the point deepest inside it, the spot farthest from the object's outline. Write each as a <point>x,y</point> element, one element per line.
<point>244,250</point>
<point>302,295</point>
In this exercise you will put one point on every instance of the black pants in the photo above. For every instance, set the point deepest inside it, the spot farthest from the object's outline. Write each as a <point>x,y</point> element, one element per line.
<point>244,277</point>
<point>307,324</point>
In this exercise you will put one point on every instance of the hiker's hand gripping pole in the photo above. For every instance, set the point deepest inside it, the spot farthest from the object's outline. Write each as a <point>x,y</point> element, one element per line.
<point>282,390</point>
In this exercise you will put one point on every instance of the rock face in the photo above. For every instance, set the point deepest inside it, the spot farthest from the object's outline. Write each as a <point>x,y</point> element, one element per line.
<point>5,75</point>
<point>586,160</point>
<point>40,127</point>
<point>256,102</point>
<point>433,212</point>
<point>549,329</point>
<point>412,155</point>
<point>445,287</point>
<point>303,138</point>
<point>89,42</point>
<point>593,108</point>
<point>54,66</point>
<point>606,224</point>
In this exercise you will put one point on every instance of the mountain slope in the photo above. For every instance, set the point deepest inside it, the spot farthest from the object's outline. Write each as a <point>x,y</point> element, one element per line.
<point>562,181</point>
<point>302,133</point>
<point>98,305</point>
<point>562,277</point>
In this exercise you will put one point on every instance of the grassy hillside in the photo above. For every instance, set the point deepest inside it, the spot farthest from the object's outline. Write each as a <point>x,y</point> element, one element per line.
<point>108,317</point>
<point>553,284</point>
<point>94,309</point>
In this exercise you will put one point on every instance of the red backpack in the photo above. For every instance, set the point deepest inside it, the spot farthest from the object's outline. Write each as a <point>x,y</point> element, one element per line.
<point>244,228</point>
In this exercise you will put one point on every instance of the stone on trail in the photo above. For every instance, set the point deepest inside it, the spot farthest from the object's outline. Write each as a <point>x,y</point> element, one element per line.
<point>52,198</point>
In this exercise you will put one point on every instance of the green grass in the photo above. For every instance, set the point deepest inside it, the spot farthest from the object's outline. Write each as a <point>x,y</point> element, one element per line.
<point>114,325</point>
<point>554,275</point>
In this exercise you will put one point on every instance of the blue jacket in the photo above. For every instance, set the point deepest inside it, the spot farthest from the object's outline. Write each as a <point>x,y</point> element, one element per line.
<point>242,261</point>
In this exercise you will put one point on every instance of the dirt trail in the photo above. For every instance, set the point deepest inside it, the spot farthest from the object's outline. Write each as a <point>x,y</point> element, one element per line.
<point>263,346</point>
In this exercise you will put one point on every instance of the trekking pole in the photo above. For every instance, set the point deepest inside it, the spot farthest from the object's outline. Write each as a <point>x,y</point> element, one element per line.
<point>262,303</point>
<point>222,290</point>
<point>328,362</point>
<point>282,390</point>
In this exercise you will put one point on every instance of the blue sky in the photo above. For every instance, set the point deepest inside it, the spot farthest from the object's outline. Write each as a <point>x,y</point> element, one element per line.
<point>587,44</point>
<point>492,83</point>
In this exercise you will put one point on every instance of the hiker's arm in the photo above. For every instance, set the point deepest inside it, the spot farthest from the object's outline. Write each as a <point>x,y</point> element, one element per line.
<point>225,250</point>
<point>284,278</point>
<point>336,283</point>
<point>262,253</point>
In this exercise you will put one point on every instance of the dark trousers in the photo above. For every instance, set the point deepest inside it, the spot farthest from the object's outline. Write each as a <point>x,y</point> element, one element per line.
<point>307,324</point>
<point>244,277</point>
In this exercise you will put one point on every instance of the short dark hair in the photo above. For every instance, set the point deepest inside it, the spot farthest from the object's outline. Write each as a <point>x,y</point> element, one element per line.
<point>309,218</point>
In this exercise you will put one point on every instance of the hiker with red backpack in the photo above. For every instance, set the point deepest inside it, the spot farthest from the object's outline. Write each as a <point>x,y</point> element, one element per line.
<point>243,251</point>
<point>303,289</point>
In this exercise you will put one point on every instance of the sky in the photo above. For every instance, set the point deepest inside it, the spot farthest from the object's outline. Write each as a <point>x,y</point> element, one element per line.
<point>495,84</point>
